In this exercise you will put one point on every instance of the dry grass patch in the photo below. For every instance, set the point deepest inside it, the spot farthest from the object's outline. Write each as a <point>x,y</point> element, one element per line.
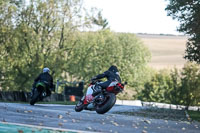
<point>167,51</point>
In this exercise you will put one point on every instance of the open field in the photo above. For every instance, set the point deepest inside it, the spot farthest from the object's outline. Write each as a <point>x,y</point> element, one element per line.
<point>167,51</point>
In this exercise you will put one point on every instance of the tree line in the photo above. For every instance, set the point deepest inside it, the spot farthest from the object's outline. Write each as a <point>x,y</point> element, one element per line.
<point>56,34</point>
<point>176,86</point>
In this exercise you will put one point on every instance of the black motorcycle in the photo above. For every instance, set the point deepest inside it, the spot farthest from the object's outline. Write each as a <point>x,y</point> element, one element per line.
<point>40,92</point>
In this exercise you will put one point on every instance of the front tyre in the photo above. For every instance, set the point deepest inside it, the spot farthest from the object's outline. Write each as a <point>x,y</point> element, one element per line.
<point>79,106</point>
<point>110,100</point>
<point>35,97</point>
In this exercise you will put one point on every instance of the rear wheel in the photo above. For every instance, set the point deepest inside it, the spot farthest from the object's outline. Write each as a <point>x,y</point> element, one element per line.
<point>35,97</point>
<point>109,102</point>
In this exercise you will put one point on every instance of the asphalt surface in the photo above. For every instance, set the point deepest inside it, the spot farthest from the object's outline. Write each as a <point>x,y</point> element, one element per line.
<point>64,117</point>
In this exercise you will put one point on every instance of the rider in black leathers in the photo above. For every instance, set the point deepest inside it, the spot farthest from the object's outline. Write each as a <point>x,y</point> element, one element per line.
<point>46,78</point>
<point>112,74</point>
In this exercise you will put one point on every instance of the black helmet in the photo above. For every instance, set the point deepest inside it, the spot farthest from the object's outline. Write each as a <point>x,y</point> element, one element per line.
<point>113,69</point>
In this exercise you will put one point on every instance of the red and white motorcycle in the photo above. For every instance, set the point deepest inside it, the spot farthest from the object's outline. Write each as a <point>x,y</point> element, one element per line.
<point>102,102</point>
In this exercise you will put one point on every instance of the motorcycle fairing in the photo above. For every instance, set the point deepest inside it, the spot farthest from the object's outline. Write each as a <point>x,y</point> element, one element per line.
<point>89,97</point>
<point>40,84</point>
<point>110,88</point>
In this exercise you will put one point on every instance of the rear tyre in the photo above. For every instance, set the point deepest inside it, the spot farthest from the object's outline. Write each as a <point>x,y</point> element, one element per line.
<point>35,97</point>
<point>107,105</point>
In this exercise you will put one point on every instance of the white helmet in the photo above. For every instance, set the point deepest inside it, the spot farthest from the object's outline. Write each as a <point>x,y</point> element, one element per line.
<point>46,69</point>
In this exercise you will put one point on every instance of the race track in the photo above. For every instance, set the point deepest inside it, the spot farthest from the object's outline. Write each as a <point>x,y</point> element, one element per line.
<point>64,117</point>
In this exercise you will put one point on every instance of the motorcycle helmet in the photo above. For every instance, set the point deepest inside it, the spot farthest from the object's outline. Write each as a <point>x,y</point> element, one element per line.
<point>46,69</point>
<point>114,69</point>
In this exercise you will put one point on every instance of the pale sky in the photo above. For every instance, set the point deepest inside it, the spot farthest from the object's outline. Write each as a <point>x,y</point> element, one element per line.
<point>136,16</point>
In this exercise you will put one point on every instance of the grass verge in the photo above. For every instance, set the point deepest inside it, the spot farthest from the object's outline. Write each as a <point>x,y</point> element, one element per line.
<point>157,113</point>
<point>194,115</point>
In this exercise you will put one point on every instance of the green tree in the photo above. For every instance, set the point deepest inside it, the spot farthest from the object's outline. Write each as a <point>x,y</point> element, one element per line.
<point>187,12</point>
<point>100,21</point>
<point>36,34</point>
<point>47,33</point>
<point>174,95</point>
<point>97,51</point>
<point>190,90</point>
<point>180,87</point>
<point>157,89</point>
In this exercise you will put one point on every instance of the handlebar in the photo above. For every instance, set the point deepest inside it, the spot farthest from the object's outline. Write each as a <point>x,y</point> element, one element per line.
<point>96,80</point>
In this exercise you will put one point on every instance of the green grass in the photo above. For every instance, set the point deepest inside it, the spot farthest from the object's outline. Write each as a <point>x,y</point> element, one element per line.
<point>194,115</point>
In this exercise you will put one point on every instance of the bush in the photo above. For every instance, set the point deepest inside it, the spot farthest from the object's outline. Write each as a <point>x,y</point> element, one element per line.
<point>156,90</point>
<point>190,84</point>
<point>175,86</point>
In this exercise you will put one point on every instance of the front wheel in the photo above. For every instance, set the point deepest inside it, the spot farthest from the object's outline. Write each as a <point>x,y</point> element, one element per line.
<point>79,106</point>
<point>35,97</point>
<point>109,102</point>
